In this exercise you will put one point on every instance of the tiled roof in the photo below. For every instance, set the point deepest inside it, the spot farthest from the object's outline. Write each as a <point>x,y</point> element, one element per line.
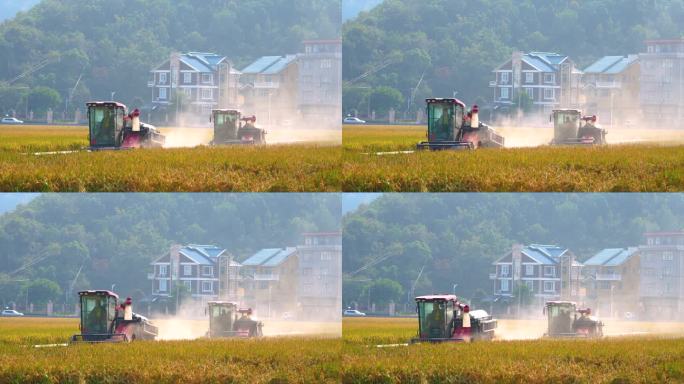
<point>611,257</point>
<point>269,65</point>
<point>611,64</point>
<point>269,257</point>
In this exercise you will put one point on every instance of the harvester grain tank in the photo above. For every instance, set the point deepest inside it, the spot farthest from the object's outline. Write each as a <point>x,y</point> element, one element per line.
<point>450,126</point>
<point>571,128</point>
<point>110,126</point>
<point>565,320</point>
<point>231,128</point>
<point>103,319</point>
<point>227,320</point>
<point>443,318</point>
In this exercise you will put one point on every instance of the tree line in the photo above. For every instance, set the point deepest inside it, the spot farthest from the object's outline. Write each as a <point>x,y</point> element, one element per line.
<point>404,51</point>
<point>404,245</point>
<point>60,243</point>
<point>76,50</point>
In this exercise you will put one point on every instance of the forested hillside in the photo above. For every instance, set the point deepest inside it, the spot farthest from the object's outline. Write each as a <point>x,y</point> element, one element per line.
<point>456,237</point>
<point>115,43</point>
<point>113,237</point>
<point>455,45</point>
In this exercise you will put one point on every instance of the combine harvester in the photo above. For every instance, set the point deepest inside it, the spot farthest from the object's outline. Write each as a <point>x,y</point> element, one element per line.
<point>443,318</point>
<point>450,127</point>
<point>224,321</point>
<point>103,320</point>
<point>567,321</point>
<point>571,128</point>
<point>111,127</point>
<point>231,129</point>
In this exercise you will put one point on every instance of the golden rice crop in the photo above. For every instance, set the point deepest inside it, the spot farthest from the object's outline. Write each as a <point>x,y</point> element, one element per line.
<point>609,360</point>
<point>267,360</point>
<point>293,167</point>
<point>612,168</point>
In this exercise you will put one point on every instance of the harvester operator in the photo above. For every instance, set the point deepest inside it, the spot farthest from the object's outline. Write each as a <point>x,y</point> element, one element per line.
<point>435,320</point>
<point>97,317</point>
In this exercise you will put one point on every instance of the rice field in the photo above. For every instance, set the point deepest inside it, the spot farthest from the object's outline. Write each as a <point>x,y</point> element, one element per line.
<point>356,358</point>
<point>635,359</point>
<point>51,159</point>
<point>381,159</point>
<point>267,360</point>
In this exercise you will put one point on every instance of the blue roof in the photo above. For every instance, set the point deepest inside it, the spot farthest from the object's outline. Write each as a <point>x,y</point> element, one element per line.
<point>201,61</point>
<point>279,65</point>
<point>549,60</point>
<point>544,254</point>
<point>269,257</point>
<point>611,256</point>
<point>611,64</point>
<point>538,63</point>
<point>269,65</point>
<point>202,254</point>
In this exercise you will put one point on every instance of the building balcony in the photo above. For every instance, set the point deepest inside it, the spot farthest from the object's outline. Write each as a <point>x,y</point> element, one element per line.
<point>266,277</point>
<point>609,84</point>
<point>492,84</point>
<point>150,84</point>
<point>266,85</point>
<point>150,276</point>
<point>608,277</point>
<point>492,276</point>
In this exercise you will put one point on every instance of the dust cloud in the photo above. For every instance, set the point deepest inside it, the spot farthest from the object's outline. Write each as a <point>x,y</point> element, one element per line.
<point>524,132</point>
<point>192,322</point>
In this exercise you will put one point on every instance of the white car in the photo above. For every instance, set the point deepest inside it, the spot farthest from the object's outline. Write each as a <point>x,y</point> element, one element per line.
<point>353,312</point>
<point>11,312</point>
<point>353,120</point>
<point>11,120</point>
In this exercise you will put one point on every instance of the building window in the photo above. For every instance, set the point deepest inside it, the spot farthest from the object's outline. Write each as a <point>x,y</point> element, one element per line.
<point>504,77</point>
<point>162,93</point>
<point>326,256</point>
<point>549,94</point>
<point>187,77</point>
<point>668,256</point>
<point>549,78</point>
<point>549,271</point>
<point>187,270</point>
<point>505,270</point>
<point>207,78</point>
<point>207,286</point>
<point>529,77</point>
<point>162,78</point>
<point>163,270</point>
<point>326,64</point>
<point>549,286</point>
<point>207,94</point>
<point>306,272</point>
<point>529,270</point>
<point>207,270</point>
<point>188,284</point>
<point>504,93</point>
<point>530,92</point>
<point>188,93</point>
<point>323,275</point>
<point>504,286</point>
<point>162,286</point>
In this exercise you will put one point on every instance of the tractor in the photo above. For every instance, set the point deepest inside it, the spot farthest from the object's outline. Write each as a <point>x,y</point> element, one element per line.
<point>224,321</point>
<point>451,127</point>
<point>571,128</point>
<point>568,321</point>
<point>111,127</point>
<point>231,128</point>
<point>443,318</point>
<point>104,320</point>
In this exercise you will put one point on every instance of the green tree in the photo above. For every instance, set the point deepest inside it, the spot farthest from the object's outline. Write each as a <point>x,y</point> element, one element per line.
<point>40,291</point>
<point>383,291</point>
<point>385,98</point>
<point>40,99</point>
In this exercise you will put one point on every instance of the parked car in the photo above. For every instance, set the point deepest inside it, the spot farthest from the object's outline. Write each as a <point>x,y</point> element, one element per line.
<point>11,312</point>
<point>11,120</point>
<point>353,120</point>
<point>353,312</point>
